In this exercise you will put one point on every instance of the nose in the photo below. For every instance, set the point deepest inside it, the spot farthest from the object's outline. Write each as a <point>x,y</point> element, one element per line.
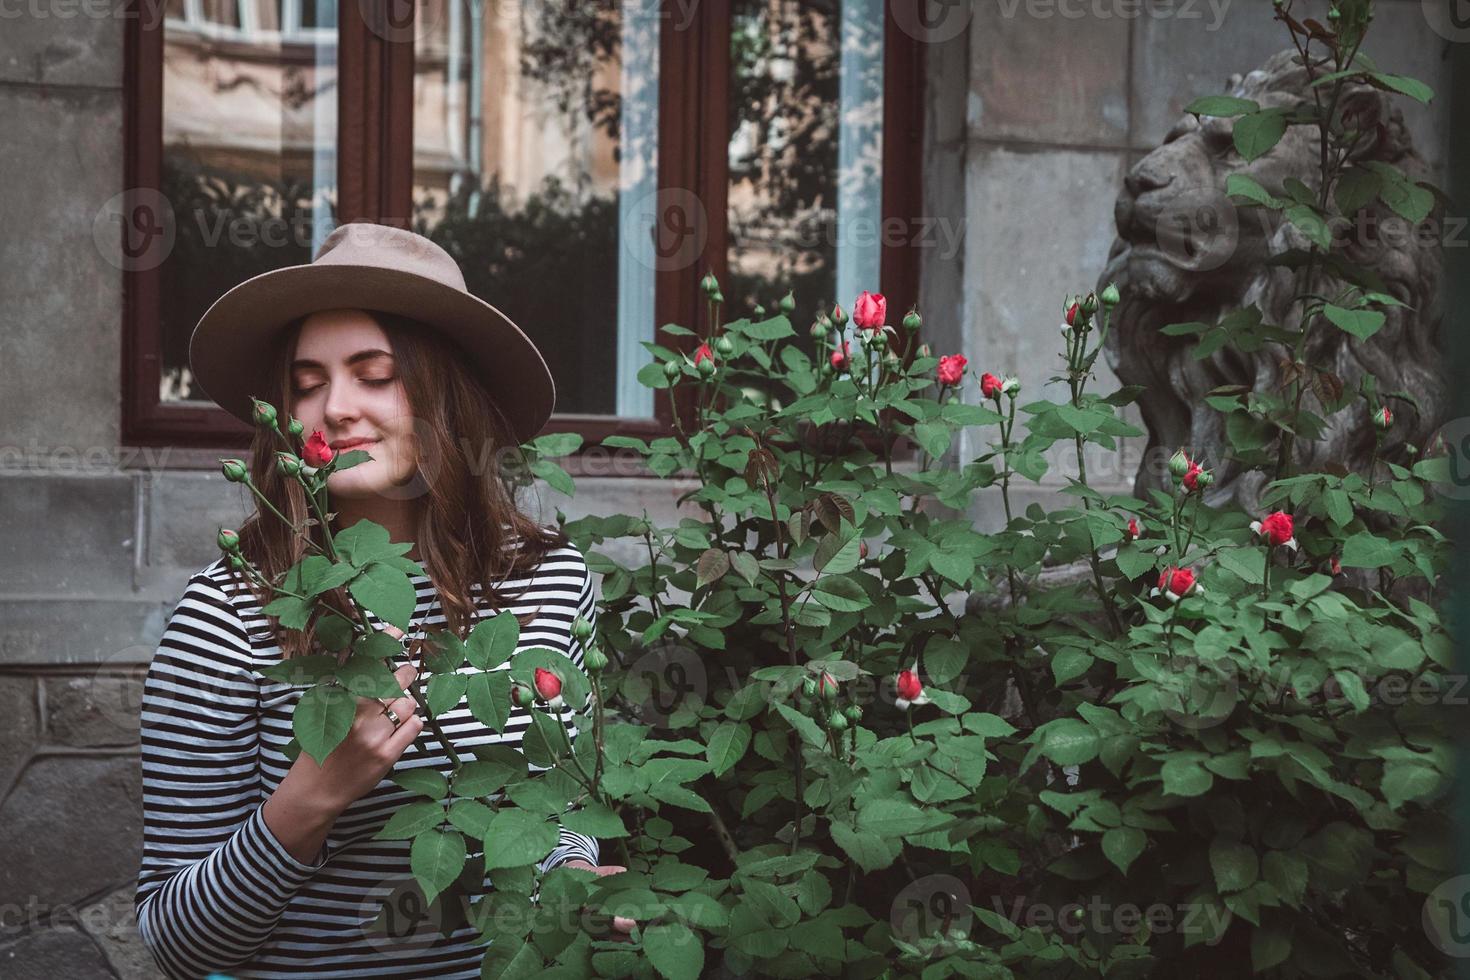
<point>341,407</point>
<point>1145,177</point>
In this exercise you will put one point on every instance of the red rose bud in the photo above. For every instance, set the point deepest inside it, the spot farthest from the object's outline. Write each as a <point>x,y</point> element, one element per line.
<point>837,721</point>
<point>521,696</point>
<point>228,540</point>
<point>1131,532</point>
<point>840,357</point>
<point>839,315</point>
<point>924,351</point>
<point>288,464</point>
<point>704,353</point>
<point>1335,565</point>
<point>1277,529</point>
<point>911,321</point>
<point>548,687</point>
<point>990,386</point>
<point>317,452</point>
<point>1180,463</point>
<point>862,550</point>
<point>295,427</point>
<point>1196,478</point>
<point>265,413</point>
<point>870,311</point>
<point>1176,583</point>
<point>1072,312</point>
<point>952,368</point>
<point>1383,419</point>
<point>827,687</point>
<point>234,470</point>
<point>910,690</point>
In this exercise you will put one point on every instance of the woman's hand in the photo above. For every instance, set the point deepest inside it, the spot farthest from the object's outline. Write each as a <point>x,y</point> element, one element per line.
<point>622,925</point>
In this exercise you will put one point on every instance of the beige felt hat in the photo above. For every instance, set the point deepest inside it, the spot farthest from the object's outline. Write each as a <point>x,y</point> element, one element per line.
<point>362,265</point>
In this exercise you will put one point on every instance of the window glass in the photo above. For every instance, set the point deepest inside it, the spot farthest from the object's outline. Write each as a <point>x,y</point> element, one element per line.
<point>535,165</point>
<point>248,177</point>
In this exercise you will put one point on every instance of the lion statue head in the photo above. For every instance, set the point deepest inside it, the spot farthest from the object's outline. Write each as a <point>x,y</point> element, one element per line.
<point>1186,253</point>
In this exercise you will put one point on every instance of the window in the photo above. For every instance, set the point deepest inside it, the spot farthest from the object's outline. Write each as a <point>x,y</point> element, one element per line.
<point>586,161</point>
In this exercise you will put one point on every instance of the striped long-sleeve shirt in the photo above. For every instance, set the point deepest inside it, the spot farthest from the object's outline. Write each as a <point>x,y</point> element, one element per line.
<point>217,891</point>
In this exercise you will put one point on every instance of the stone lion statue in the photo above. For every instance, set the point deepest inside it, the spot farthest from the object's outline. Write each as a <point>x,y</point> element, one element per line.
<point>1185,253</point>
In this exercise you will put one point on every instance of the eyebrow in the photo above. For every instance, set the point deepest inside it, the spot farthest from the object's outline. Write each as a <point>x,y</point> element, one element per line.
<point>362,355</point>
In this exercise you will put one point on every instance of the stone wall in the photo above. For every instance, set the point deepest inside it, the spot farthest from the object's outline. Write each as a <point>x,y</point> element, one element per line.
<point>1031,122</point>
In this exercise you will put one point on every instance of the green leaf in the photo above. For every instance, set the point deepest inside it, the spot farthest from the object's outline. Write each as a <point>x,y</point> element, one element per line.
<point>493,641</point>
<point>1069,742</point>
<point>1270,947</point>
<point>1133,561</point>
<point>1355,190</point>
<point>492,767</point>
<point>444,692</point>
<point>674,950</point>
<point>896,818</point>
<point>1311,224</point>
<point>1249,563</point>
<point>471,818</point>
<point>517,838</point>
<point>870,850</point>
<point>840,594</point>
<point>1243,185</point>
<point>1185,777</point>
<point>424,781</point>
<point>1404,781</point>
<point>322,719</point>
<point>1411,87</point>
<point>1365,550</point>
<point>727,745</point>
<point>934,437</point>
<point>1070,663</point>
<point>594,820</point>
<point>489,697</point>
<point>1123,845</point>
<point>437,857</point>
<point>1255,134</point>
<point>368,677</point>
<point>410,820</point>
<point>1221,105</point>
<point>1360,323</point>
<point>1235,864</point>
<point>386,592</point>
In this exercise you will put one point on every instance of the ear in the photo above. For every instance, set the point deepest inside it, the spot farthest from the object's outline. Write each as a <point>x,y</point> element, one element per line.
<point>1367,111</point>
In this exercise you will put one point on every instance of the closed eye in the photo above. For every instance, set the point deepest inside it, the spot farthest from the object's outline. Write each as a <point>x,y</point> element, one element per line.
<point>374,382</point>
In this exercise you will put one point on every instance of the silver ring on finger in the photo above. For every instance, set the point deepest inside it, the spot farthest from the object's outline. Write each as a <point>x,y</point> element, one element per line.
<point>392,716</point>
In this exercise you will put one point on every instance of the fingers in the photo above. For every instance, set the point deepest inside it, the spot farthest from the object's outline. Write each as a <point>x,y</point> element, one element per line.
<point>623,924</point>
<point>404,735</point>
<point>404,675</point>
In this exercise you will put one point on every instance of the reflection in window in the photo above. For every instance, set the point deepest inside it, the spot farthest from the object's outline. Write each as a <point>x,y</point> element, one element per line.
<point>249,152</point>
<point>535,130</point>
<point>806,114</point>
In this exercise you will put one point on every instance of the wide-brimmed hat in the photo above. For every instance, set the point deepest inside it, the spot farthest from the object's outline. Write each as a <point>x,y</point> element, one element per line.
<point>362,265</point>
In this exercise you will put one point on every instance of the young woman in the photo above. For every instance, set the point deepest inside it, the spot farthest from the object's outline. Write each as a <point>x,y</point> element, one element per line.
<point>257,866</point>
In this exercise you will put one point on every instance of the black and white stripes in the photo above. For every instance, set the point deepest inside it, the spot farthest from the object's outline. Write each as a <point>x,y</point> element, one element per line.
<point>217,892</point>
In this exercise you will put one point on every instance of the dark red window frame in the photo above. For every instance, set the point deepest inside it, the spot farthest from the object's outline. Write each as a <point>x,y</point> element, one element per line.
<point>375,173</point>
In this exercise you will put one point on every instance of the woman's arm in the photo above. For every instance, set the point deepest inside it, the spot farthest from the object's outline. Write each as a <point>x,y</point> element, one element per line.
<point>214,879</point>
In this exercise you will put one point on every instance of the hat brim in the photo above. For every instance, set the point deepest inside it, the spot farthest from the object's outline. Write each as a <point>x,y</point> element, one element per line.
<point>231,347</point>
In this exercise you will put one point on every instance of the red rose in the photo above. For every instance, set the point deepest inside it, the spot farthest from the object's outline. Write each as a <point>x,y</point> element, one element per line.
<point>1072,315</point>
<point>316,451</point>
<point>1132,532</point>
<point>1383,418</point>
<point>870,311</point>
<point>1277,528</point>
<point>704,353</point>
<point>990,385</point>
<point>910,690</point>
<point>1176,583</point>
<point>952,368</point>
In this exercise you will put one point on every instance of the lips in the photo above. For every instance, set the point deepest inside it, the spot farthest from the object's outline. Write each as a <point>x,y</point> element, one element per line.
<point>352,443</point>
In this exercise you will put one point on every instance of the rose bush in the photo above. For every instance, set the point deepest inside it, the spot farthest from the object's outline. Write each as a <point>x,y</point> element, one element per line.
<point>833,728</point>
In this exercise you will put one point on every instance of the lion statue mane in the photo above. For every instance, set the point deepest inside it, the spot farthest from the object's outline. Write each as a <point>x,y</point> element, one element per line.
<point>1185,253</point>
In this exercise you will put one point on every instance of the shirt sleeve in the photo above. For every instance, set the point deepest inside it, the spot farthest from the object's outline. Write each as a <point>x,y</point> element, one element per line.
<point>572,844</point>
<point>214,881</point>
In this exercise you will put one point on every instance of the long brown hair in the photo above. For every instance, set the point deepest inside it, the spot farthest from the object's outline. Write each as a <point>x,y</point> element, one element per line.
<point>468,524</point>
